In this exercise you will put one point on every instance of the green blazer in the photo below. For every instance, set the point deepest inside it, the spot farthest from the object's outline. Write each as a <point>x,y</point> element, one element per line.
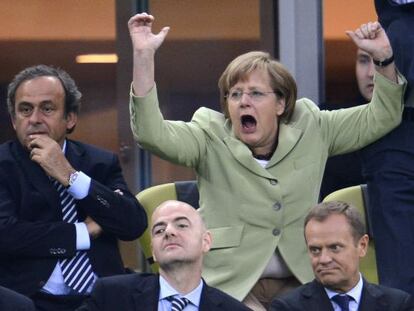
<point>251,210</point>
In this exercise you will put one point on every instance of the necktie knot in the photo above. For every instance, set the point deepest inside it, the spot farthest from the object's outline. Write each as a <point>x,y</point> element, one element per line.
<point>178,303</point>
<point>342,301</point>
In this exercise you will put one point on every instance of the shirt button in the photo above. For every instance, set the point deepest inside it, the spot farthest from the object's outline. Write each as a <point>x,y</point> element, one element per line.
<point>277,206</point>
<point>276,232</point>
<point>273,182</point>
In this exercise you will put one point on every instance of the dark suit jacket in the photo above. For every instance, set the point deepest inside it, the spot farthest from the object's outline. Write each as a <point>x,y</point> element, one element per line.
<point>398,22</point>
<point>32,234</point>
<point>312,297</point>
<point>12,301</point>
<point>141,292</point>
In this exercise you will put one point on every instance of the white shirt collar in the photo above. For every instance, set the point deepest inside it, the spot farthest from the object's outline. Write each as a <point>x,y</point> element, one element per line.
<point>64,147</point>
<point>166,290</point>
<point>355,292</point>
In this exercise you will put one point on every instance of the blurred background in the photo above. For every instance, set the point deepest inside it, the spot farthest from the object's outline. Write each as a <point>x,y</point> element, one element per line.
<point>308,36</point>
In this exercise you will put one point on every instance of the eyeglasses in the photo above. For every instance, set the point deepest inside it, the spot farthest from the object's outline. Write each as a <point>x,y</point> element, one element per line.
<point>255,96</point>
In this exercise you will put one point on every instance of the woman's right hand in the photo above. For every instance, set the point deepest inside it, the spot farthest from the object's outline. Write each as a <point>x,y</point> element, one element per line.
<point>144,43</point>
<point>140,30</point>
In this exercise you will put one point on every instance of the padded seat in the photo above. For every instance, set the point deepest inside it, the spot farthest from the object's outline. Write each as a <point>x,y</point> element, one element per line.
<point>358,196</point>
<point>150,198</point>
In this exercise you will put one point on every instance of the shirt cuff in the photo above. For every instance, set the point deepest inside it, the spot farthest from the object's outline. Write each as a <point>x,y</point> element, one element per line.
<point>80,187</point>
<point>132,94</point>
<point>83,241</point>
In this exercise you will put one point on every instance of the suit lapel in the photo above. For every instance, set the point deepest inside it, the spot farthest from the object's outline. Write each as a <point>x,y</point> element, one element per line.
<point>244,156</point>
<point>146,293</point>
<point>315,297</point>
<point>35,175</point>
<point>209,300</point>
<point>75,153</point>
<point>288,138</point>
<point>373,299</point>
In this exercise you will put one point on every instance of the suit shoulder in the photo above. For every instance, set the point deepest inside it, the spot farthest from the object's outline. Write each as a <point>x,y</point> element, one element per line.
<point>92,150</point>
<point>210,120</point>
<point>8,159</point>
<point>305,105</point>
<point>5,153</point>
<point>305,111</point>
<point>10,300</point>
<point>126,281</point>
<point>227,302</point>
<point>294,298</point>
<point>389,291</point>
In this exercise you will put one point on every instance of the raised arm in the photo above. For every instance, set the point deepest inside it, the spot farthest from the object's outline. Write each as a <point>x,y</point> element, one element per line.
<point>371,38</point>
<point>144,44</point>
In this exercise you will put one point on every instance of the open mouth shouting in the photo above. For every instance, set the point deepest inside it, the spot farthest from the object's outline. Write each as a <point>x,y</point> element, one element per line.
<point>248,123</point>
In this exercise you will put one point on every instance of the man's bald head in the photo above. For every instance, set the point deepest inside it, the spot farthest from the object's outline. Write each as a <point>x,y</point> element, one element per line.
<point>170,205</point>
<point>178,235</point>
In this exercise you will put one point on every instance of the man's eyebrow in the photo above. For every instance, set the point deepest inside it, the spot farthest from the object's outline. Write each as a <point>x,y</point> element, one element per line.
<point>182,218</point>
<point>24,102</point>
<point>163,223</point>
<point>158,224</point>
<point>363,56</point>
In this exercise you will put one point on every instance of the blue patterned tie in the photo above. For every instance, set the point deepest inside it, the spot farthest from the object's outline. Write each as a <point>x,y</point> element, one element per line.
<point>77,270</point>
<point>342,301</point>
<point>177,303</point>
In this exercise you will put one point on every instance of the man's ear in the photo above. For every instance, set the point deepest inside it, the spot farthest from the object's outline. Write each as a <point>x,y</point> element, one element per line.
<point>207,240</point>
<point>71,120</point>
<point>363,245</point>
<point>13,121</point>
<point>153,255</point>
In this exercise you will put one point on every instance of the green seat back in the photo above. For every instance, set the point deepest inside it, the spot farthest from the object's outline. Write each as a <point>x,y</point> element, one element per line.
<point>355,196</point>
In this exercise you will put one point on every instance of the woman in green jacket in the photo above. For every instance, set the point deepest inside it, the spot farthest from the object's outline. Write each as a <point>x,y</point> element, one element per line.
<point>259,164</point>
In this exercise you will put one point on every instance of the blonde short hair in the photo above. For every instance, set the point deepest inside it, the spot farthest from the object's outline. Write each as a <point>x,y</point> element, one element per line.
<point>281,80</point>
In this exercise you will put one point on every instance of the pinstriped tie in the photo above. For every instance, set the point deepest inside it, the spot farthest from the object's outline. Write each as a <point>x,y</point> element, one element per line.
<point>177,303</point>
<point>77,270</point>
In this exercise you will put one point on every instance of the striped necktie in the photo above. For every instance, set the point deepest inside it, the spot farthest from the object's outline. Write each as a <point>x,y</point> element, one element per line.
<point>342,301</point>
<point>77,270</point>
<point>177,303</point>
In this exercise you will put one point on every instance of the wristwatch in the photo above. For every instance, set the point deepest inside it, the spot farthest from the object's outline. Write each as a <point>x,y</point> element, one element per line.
<point>72,177</point>
<point>384,62</point>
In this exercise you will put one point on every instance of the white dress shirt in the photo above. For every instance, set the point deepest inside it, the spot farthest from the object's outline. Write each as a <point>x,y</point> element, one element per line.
<point>355,293</point>
<point>55,285</point>
<point>166,290</point>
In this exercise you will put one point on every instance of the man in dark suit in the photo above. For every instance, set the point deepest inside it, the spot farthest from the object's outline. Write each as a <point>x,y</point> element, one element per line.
<point>179,240</point>
<point>388,163</point>
<point>336,240</point>
<point>12,301</point>
<point>63,204</point>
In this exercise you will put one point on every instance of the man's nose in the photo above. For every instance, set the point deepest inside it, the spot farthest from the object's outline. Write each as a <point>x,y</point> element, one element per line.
<point>325,257</point>
<point>169,231</point>
<point>35,117</point>
<point>371,69</point>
